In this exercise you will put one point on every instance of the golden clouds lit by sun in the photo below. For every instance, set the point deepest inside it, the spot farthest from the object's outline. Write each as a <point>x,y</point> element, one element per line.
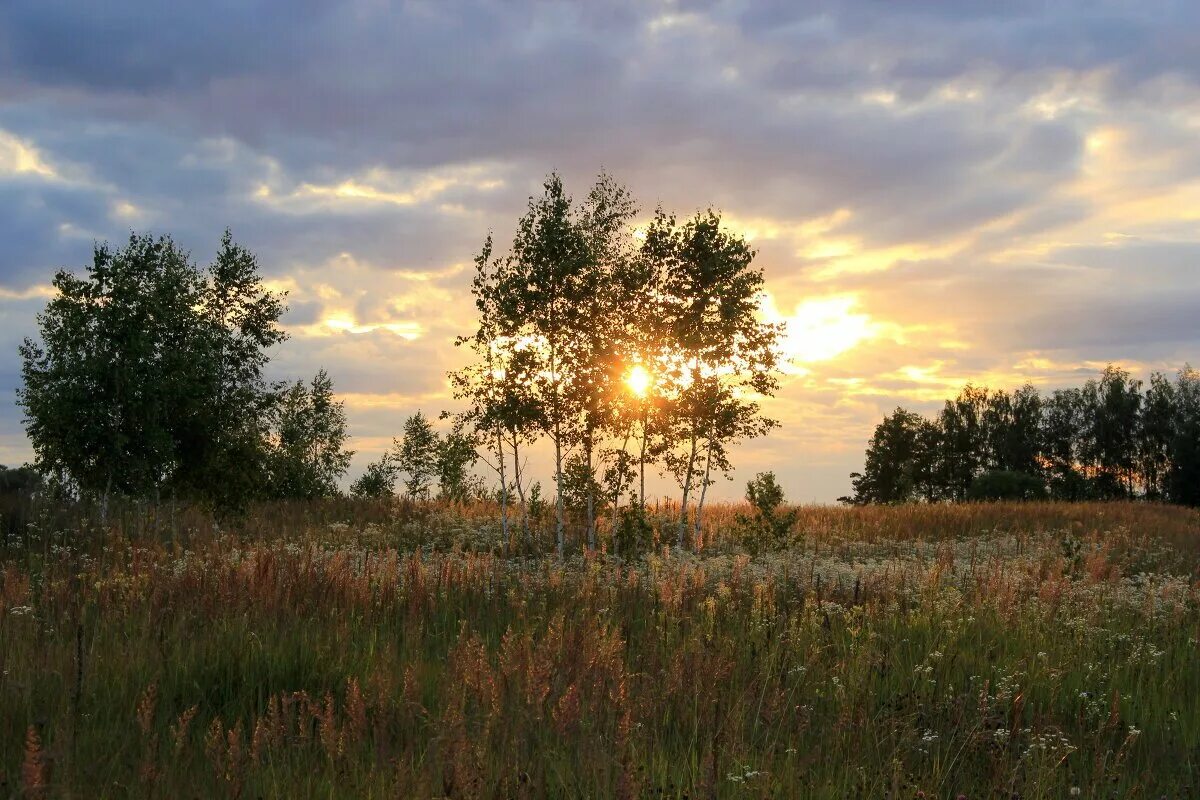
<point>822,328</point>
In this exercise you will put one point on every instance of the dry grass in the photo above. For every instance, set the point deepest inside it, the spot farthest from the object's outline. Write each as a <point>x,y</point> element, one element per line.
<point>376,650</point>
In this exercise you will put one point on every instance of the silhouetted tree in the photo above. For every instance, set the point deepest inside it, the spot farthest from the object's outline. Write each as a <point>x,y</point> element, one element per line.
<point>148,376</point>
<point>1156,431</point>
<point>1062,444</point>
<point>1107,439</point>
<point>1109,446</point>
<point>891,459</point>
<point>378,479</point>
<point>416,455</point>
<point>721,353</point>
<point>1183,476</point>
<point>309,437</point>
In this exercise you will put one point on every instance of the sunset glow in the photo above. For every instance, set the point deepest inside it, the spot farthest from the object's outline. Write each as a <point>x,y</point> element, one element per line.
<point>932,197</point>
<point>821,329</point>
<point>638,380</point>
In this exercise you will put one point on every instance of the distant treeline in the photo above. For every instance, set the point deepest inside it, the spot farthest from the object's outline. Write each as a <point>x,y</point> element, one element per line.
<point>1111,438</point>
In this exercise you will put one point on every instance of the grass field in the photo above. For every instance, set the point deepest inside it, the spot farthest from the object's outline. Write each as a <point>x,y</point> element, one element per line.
<point>343,650</point>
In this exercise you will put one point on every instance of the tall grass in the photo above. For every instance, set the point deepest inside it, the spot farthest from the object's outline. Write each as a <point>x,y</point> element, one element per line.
<point>370,650</point>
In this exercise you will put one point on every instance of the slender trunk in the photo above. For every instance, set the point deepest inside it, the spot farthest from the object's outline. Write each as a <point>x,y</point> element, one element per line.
<point>642,464</point>
<point>591,500</point>
<point>503,487</point>
<point>704,486</point>
<point>622,463</point>
<point>559,537</point>
<point>104,499</point>
<point>520,489</point>
<point>687,490</point>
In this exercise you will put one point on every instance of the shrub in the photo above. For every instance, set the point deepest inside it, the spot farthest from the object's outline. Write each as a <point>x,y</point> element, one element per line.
<point>769,524</point>
<point>1007,485</point>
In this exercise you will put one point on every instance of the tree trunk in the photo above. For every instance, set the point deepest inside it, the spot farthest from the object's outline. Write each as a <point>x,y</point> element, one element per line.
<point>520,490</point>
<point>503,487</point>
<point>642,464</point>
<point>556,410</point>
<point>591,499</point>
<point>687,490</point>
<point>704,487</point>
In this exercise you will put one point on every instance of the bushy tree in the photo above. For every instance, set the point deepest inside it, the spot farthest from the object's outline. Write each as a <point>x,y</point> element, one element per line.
<point>888,475</point>
<point>769,523</point>
<point>720,354</point>
<point>147,379</point>
<point>19,480</point>
<point>1007,485</point>
<point>308,437</point>
<point>574,308</point>
<point>1107,439</point>
<point>378,479</point>
<point>455,455</point>
<point>416,455</point>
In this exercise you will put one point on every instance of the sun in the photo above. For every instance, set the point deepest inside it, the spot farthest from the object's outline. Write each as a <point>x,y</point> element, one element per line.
<point>638,380</point>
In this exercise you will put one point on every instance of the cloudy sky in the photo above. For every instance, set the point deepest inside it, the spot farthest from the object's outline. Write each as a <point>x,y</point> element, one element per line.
<point>939,192</point>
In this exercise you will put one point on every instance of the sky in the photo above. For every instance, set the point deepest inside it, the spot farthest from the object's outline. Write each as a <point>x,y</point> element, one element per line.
<point>938,192</point>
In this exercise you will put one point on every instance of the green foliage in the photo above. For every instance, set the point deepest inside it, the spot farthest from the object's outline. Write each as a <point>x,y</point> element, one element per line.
<point>721,353</point>
<point>309,436</point>
<point>378,479</point>
<point>1007,485</point>
<point>416,455</point>
<point>894,459</point>
<point>1105,440</point>
<point>633,535</point>
<point>455,456</point>
<point>148,380</point>
<point>19,480</point>
<point>770,523</point>
<point>573,306</point>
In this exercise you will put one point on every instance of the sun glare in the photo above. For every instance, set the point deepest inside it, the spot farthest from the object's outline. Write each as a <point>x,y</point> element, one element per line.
<point>638,380</point>
<point>823,328</point>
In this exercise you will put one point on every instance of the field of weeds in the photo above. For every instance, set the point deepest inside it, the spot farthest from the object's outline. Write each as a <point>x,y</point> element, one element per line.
<point>379,650</point>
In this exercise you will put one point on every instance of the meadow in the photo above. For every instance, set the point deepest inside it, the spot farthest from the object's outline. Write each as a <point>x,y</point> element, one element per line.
<point>380,649</point>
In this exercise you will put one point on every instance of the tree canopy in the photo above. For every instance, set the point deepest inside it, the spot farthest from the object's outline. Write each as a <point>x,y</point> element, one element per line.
<point>148,379</point>
<point>1108,439</point>
<point>599,337</point>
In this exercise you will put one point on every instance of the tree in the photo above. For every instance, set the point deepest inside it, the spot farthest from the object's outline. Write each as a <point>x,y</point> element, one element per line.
<point>19,480</point>
<point>1111,407</point>
<point>964,441</point>
<point>599,328</point>
<point>892,456</point>
<point>416,455</point>
<point>1104,440</point>
<point>501,408</point>
<point>148,376</point>
<point>455,454</point>
<point>1061,451</point>
<point>309,436</point>
<point>378,479</point>
<point>1006,485</point>
<point>1011,430</point>
<point>720,352</point>
<point>1183,476</point>
<point>547,281</point>
<point>575,310</point>
<point>768,521</point>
